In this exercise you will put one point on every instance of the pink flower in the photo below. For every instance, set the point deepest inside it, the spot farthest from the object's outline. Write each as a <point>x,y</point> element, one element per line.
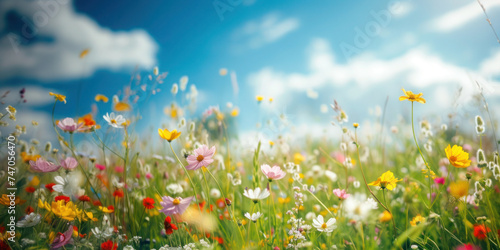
<point>41,165</point>
<point>468,247</point>
<point>149,176</point>
<point>69,163</point>
<point>272,173</point>
<point>62,239</point>
<point>100,167</point>
<point>119,169</point>
<point>174,206</point>
<point>202,157</point>
<point>440,180</point>
<point>69,125</point>
<point>341,193</point>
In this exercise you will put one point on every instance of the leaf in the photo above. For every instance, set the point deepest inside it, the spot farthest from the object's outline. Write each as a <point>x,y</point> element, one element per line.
<point>412,233</point>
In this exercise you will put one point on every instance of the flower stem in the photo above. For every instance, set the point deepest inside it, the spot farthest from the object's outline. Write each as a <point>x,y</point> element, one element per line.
<point>421,155</point>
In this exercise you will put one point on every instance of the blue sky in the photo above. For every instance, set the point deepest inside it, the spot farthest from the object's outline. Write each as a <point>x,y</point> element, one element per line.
<point>292,51</point>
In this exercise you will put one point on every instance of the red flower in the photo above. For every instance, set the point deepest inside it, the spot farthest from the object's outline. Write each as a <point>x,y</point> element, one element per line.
<point>118,193</point>
<point>221,203</point>
<point>97,203</point>
<point>219,239</point>
<point>84,198</point>
<point>30,189</point>
<point>49,187</point>
<point>29,210</point>
<point>169,227</point>
<point>62,197</point>
<point>148,203</point>
<point>481,231</point>
<point>108,245</point>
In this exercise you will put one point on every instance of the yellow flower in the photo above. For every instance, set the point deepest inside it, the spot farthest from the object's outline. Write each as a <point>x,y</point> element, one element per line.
<point>387,180</point>
<point>259,98</point>
<point>417,220</point>
<point>223,72</point>
<point>412,97</point>
<point>66,211</point>
<point>122,106</point>
<point>84,53</point>
<point>27,158</point>
<point>58,97</point>
<point>106,210</point>
<point>11,110</point>
<point>457,156</point>
<point>271,99</point>
<point>385,217</point>
<point>85,216</point>
<point>459,189</point>
<point>298,158</point>
<point>101,98</point>
<point>271,143</point>
<point>355,125</point>
<point>235,112</point>
<point>282,200</point>
<point>167,135</point>
<point>34,182</point>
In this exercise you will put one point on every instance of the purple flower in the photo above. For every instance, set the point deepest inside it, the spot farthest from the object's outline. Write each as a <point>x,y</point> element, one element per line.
<point>174,206</point>
<point>69,125</point>
<point>62,239</point>
<point>69,163</point>
<point>272,173</point>
<point>202,157</point>
<point>41,165</point>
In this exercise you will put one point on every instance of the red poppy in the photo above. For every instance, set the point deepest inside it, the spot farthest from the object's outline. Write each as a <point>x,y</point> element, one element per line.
<point>108,245</point>
<point>219,239</point>
<point>62,197</point>
<point>50,186</point>
<point>221,203</point>
<point>481,231</point>
<point>84,198</point>
<point>29,210</point>
<point>148,203</point>
<point>118,193</point>
<point>169,227</point>
<point>97,203</point>
<point>30,189</point>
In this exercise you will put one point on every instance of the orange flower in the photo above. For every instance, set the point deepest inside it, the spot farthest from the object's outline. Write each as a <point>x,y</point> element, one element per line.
<point>101,98</point>
<point>27,158</point>
<point>412,97</point>
<point>84,53</point>
<point>457,156</point>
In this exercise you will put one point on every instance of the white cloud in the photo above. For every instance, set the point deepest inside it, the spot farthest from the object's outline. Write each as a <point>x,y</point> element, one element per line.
<point>270,28</point>
<point>401,9</point>
<point>459,17</point>
<point>418,67</point>
<point>34,95</point>
<point>63,34</point>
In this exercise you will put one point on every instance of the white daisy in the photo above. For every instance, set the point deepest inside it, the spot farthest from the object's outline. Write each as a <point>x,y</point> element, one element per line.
<point>116,121</point>
<point>30,220</point>
<point>256,194</point>
<point>254,216</point>
<point>323,226</point>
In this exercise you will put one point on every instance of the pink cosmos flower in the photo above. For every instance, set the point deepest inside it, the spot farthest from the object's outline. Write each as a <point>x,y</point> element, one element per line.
<point>272,173</point>
<point>202,157</point>
<point>41,165</point>
<point>468,247</point>
<point>69,125</point>
<point>62,239</point>
<point>341,193</point>
<point>149,176</point>
<point>174,206</point>
<point>69,163</point>
<point>440,180</point>
<point>100,167</point>
<point>119,169</point>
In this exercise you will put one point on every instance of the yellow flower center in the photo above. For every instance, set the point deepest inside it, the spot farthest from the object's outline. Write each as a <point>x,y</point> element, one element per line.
<point>324,226</point>
<point>176,202</point>
<point>200,158</point>
<point>113,121</point>
<point>453,158</point>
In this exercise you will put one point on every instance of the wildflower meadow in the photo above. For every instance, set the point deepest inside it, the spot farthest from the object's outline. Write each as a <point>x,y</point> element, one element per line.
<point>249,124</point>
<point>191,185</point>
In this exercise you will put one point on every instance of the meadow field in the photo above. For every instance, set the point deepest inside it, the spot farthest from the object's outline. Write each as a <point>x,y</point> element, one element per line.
<point>192,185</point>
